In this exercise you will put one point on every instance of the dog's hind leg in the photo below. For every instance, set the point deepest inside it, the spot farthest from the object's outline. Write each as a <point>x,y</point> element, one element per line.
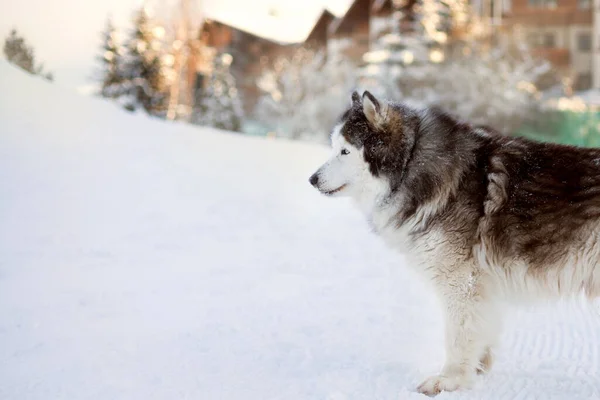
<point>471,327</point>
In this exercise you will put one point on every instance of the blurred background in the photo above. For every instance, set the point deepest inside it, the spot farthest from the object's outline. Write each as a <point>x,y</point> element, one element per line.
<point>284,69</point>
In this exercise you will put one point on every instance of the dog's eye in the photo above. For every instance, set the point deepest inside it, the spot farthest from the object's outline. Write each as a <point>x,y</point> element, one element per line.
<point>345,152</point>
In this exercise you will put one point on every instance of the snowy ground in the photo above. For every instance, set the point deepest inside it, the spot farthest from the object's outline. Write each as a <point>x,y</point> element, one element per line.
<point>145,260</point>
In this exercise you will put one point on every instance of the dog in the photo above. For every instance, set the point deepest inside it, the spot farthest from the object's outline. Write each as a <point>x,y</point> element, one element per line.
<point>486,218</point>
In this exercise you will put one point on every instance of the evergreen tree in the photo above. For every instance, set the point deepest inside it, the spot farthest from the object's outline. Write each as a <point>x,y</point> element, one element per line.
<point>18,52</point>
<point>304,94</point>
<point>417,33</point>
<point>405,42</point>
<point>439,57</point>
<point>39,70</point>
<point>112,77</point>
<point>218,104</point>
<point>145,71</point>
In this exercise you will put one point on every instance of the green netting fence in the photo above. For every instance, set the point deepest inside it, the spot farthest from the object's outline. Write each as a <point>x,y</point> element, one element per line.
<point>566,127</point>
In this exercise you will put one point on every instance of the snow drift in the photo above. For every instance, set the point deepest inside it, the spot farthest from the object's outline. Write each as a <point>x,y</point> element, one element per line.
<point>147,260</point>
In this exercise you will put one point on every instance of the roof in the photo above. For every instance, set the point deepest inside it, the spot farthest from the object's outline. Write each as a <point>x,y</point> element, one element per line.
<point>358,7</point>
<point>268,27</point>
<point>277,21</point>
<point>246,30</point>
<point>322,23</point>
<point>284,27</point>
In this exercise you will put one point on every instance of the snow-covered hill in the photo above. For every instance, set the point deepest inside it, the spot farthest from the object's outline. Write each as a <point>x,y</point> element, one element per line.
<point>146,260</point>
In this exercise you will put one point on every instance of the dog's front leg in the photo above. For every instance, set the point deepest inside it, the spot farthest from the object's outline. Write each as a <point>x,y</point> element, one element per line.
<point>471,327</point>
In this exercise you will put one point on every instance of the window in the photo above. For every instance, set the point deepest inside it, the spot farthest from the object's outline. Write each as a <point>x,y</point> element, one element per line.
<point>533,39</point>
<point>584,4</point>
<point>583,82</point>
<point>549,40</point>
<point>584,42</point>
<point>542,3</point>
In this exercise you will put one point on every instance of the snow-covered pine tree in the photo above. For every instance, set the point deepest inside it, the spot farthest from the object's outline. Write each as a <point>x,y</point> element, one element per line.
<point>305,94</point>
<point>39,70</point>
<point>18,52</point>
<point>111,70</point>
<point>416,33</point>
<point>218,103</point>
<point>413,34</point>
<point>145,70</point>
<point>435,55</point>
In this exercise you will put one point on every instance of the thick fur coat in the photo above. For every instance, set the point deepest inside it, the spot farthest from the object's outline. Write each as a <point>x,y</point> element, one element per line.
<point>487,219</point>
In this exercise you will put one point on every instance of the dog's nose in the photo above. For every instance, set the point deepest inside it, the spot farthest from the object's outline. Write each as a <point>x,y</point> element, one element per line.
<point>314,179</point>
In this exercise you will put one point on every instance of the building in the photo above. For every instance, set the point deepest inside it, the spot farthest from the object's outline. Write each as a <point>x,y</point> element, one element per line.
<point>317,38</point>
<point>596,47</point>
<point>560,31</point>
<point>250,52</point>
<point>349,35</point>
<point>254,45</point>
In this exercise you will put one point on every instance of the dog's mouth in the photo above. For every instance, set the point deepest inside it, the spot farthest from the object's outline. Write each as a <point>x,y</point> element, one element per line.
<point>334,191</point>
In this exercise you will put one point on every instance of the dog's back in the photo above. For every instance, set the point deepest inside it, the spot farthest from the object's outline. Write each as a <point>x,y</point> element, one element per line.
<point>542,210</point>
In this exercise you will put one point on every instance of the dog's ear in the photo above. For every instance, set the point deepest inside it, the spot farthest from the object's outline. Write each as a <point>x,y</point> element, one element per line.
<point>355,99</point>
<point>374,111</point>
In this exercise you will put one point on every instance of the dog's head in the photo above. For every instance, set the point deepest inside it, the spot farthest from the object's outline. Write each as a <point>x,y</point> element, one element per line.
<point>372,140</point>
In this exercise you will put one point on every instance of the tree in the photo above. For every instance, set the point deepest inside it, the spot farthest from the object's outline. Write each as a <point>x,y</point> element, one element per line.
<point>417,32</point>
<point>18,52</point>
<point>496,88</point>
<point>112,78</point>
<point>438,56</point>
<point>304,94</point>
<point>145,72</point>
<point>218,105</point>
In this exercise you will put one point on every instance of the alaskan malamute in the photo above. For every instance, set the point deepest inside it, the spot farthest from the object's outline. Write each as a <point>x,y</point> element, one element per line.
<point>487,218</point>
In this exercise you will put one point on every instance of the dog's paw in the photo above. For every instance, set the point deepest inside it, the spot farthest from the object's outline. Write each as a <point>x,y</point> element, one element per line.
<point>485,364</point>
<point>435,384</point>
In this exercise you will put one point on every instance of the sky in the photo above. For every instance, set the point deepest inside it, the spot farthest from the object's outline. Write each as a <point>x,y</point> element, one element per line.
<point>66,33</point>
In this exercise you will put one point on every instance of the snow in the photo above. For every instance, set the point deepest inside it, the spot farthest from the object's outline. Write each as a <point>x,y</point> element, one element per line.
<point>284,29</point>
<point>147,260</point>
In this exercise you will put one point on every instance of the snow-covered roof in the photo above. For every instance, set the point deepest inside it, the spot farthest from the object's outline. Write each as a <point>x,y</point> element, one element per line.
<point>277,28</point>
<point>277,24</point>
<point>281,23</point>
